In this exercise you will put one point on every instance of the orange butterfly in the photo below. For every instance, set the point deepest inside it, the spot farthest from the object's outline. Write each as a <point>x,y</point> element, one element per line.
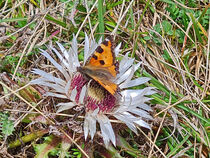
<point>102,66</point>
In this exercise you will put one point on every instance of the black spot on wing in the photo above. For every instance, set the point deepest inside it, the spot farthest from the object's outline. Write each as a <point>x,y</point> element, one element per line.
<point>105,42</point>
<point>99,49</point>
<point>102,62</point>
<point>95,57</point>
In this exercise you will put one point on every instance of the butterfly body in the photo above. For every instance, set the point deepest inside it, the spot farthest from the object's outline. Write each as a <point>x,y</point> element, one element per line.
<point>102,66</point>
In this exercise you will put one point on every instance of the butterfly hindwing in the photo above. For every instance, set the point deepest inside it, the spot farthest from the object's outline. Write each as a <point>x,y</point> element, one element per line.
<point>108,85</point>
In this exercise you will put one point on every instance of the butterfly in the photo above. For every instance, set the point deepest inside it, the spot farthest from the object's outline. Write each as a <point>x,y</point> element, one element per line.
<point>102,66</point>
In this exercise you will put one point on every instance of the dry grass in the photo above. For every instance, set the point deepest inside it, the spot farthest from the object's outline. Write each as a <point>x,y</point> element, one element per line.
<point>177,62</point>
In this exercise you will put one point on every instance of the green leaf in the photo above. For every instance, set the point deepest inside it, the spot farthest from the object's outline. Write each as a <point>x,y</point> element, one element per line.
<point>157,40</point>
<point>81,56</point>
<point>167,57</point>
<point>8,128</point>
<point>81,8</point>
<point>6,125</point>
<point>157,28</point>
<point>180,35</point>
<point>171,32</point>
<point>147,38</point>
<point>166,26</point>
<point>21,23</point>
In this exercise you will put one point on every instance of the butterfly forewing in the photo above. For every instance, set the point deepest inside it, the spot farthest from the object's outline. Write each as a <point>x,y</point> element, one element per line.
<point>101,66</point>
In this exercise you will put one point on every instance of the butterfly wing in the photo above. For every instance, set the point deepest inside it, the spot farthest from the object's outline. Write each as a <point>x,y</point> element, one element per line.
<point>104,57</point>
<point>102,66</point>
<point>108,85</point>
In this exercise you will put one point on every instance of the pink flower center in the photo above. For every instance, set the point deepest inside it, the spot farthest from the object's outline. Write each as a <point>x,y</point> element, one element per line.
<point>96,95</point>
<point>100,98</point>
<point>78,81</point>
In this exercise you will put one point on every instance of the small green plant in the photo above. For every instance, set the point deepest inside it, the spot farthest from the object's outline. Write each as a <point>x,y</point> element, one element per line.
<point>77,153</point>
<point>10,62</point>
<point>6,125</point>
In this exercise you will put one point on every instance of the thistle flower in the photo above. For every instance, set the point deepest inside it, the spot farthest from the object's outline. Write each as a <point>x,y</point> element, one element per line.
<point>129,106</point>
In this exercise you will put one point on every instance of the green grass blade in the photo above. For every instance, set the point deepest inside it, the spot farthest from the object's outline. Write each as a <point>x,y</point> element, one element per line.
<point>178,146</point>
<point>101,18</point>
<point>196,28</point>
<point>50,18</point>
<point>192,112</point>
<point>12,20</point>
